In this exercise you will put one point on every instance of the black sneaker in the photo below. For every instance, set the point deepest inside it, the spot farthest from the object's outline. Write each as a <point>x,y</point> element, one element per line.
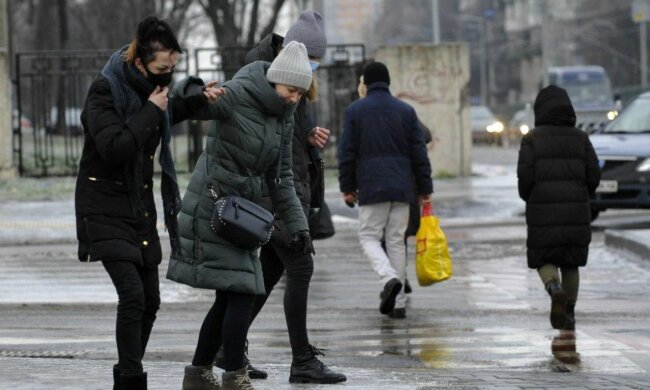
<point>387,296</point>
<point>397,313</point>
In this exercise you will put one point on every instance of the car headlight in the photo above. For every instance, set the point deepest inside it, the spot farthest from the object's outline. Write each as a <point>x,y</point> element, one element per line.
<point>644,166</point>
<point>524,129</point>
<point>495,127</point>
<point>612,115</point>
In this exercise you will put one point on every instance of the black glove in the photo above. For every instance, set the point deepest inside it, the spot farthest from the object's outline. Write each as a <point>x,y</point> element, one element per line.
<point>301,243</point>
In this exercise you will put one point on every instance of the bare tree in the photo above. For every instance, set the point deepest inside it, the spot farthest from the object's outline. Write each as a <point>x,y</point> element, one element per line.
<point>237,24</point>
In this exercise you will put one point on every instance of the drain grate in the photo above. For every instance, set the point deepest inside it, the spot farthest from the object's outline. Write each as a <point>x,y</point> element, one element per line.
<point>41,354</point>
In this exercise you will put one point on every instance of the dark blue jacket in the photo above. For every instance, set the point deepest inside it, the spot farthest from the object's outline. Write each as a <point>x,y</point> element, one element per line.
<point>382,151</point>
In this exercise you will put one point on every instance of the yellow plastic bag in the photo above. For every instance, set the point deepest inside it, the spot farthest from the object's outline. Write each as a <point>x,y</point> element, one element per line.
<point>432,260</point>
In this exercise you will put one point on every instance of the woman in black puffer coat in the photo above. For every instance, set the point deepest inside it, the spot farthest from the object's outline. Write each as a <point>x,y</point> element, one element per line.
<point>558,172</point>
<point>127,114</point>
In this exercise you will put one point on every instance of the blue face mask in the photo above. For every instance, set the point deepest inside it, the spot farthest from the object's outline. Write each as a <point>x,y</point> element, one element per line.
<point>314,65</point>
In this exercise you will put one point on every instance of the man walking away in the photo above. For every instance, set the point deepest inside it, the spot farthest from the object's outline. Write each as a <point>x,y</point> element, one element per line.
<point>381,152</point>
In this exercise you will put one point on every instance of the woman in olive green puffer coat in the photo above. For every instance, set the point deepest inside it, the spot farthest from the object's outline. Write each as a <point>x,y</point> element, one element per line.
<point>254,119</point>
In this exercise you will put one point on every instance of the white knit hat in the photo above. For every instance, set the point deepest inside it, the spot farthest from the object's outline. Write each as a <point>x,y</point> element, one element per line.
<point>291,67</point>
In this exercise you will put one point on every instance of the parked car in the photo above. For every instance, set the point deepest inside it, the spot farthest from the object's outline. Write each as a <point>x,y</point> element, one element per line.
<point>623,149</point>
<point>521,122</point>
<point>486,128</point>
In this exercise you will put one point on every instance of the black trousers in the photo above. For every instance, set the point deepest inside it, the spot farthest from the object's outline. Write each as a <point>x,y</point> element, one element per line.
<point>275,259</point>
<point>138,294</point>
<point>227,322</point>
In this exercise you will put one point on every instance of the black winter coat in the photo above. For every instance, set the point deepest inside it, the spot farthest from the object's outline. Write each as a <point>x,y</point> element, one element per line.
<point>557,171</point>
<point>108,226</point>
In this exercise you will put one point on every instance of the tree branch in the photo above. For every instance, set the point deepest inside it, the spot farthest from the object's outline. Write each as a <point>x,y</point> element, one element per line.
<point>277,6</point>
<point>252,28</point>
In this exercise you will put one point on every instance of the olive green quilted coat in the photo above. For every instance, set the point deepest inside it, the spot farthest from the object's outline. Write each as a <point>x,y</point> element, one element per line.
<point>241,157</point>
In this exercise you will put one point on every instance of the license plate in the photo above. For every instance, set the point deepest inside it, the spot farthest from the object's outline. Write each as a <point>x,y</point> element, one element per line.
<point>607,186</point>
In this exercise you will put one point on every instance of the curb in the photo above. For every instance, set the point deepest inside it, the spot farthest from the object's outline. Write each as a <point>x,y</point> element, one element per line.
<point>636,242</point>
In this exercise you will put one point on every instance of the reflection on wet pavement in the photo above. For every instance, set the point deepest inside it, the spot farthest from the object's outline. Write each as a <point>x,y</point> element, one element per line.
<point>566,356</point>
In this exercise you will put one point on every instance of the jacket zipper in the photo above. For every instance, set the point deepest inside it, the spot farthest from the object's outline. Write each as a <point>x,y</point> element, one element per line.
<point>95,179</point>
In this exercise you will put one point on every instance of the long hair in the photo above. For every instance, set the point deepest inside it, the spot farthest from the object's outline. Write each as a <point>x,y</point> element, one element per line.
<point>312,92</point>
<point>153,35</point>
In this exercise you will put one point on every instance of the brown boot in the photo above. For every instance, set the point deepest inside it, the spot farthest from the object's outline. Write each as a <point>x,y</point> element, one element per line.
<point>237,380</point>
<point>200,378</point>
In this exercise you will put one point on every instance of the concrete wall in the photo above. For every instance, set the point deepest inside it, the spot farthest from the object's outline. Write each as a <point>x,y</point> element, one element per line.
<point>6,165</point>
<point>435,80</point>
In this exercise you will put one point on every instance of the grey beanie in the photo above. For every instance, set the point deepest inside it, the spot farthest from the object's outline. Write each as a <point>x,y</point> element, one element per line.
<point>310,31</point>
<point>291,67</point>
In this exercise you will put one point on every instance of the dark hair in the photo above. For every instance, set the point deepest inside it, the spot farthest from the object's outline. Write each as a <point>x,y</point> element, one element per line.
<point>153,35</point>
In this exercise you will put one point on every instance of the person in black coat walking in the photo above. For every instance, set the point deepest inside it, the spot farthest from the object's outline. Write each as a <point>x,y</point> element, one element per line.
<point>126,116</point>
<point>558,171</point>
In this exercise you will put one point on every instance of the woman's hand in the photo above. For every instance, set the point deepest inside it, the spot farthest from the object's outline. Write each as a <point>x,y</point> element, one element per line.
<point>212,93</point>
<point>159,97</point>
<point>318,137</point>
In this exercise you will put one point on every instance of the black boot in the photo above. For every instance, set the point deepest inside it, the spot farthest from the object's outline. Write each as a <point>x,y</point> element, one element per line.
<point>388,295</point>
<point>116,378</point>
<point>306,368</point>
<point>134,382</point>
<point>558,313</point>
<point>254,373</point>
<point>570,319</point>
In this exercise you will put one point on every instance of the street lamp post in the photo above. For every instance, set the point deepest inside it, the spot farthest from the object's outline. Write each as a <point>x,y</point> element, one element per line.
<point>480,22</point>
<point>435,22</point>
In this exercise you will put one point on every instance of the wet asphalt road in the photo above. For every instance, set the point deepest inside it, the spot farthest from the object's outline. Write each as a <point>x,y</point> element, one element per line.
<point>487,327</point>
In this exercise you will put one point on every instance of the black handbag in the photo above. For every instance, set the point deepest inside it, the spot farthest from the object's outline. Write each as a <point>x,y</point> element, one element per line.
<point>320,223</point>
<point>240,221</point>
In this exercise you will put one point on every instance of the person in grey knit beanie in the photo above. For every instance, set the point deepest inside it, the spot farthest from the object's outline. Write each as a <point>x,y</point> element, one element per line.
<point>310,31</point>
<point>291,67</point>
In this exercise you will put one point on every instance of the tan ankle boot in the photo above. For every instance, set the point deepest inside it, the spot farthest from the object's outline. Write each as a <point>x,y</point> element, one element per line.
<point>237,380</point>
<point>200,378</point>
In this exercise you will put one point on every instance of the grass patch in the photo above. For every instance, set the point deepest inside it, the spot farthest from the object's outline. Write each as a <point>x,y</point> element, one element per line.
<point>42,189</point>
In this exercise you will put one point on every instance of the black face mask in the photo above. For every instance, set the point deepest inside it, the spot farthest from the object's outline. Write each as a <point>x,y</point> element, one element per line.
<point>159,79</point>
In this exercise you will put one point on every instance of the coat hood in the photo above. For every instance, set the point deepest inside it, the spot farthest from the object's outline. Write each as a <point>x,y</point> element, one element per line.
<point>252,79</point>
<point>266,50</point>
<point>553,107</point>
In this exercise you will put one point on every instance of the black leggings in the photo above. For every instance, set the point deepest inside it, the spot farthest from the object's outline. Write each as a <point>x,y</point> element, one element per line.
<point>227,321</point>
<point>275,259</point>
<point>139,300</point>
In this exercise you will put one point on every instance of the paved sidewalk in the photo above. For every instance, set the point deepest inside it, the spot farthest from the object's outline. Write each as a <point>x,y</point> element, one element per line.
<point>636,241</point>
<point>62,374</point>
